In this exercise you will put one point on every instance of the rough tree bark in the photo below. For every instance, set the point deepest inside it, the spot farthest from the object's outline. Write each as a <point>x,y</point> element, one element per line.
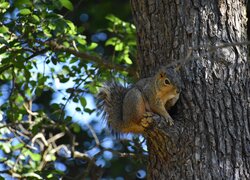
<point>210,138</point>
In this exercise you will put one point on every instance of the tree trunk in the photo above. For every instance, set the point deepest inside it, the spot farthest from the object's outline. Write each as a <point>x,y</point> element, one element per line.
<point>210,138</point>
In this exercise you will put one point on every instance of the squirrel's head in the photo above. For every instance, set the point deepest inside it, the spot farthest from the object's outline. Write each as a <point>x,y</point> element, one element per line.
<point>165,88</point>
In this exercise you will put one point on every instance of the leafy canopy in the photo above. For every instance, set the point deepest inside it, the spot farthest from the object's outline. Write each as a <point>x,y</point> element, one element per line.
<point>49,66</point>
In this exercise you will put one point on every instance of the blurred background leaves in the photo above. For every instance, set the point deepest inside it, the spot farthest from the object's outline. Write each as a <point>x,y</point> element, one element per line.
<point>54,56</point>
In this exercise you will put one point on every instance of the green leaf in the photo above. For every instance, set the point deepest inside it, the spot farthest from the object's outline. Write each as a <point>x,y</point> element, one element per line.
<point>50,157</point>
<point>119,46</point>
<point>128,60</point>
<point>22,3</point>
<point>54,60</point>
<point>2,41</point>
<point>76,128</point>
<point>35,18</point>
<point>6,147</point>
<point>47,32</point>
<point>2,159</point>
<point>73,60</point>
<point>25,11</point>
<point>4,29</point>
<point>92,46</point>
<point>113,19</point>
<point>90,111</point>
<point>67,4</point>
<point>34,156</point>
<point>68,118</point>
<point>4,5</point>
<point>50,175</point>
<point>9,163</point>
<point>78,109</point>
<point>66,44</point>
<point>81,39</point>
<point>18,146</point>
<point>52,26</point>
<point>71,25</point>
<point>112,41</point>
<point>75,99</point>
<point>83,101</point>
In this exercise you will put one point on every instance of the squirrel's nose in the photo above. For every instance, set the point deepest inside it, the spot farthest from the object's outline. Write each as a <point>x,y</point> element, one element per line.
<point>177,91</point>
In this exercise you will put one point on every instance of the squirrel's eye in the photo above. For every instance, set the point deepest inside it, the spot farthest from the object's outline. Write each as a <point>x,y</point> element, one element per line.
<point>167,81</point>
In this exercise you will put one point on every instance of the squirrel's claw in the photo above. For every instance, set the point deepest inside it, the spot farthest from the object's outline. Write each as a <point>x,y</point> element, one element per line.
<point>169,120</point>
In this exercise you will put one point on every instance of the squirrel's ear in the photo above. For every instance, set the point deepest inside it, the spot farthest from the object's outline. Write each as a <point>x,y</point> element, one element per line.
<point>161,73</point>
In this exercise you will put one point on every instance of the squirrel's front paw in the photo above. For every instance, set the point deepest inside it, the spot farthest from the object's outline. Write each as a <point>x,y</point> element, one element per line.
<point>169,120</point>
<point>147,119</point>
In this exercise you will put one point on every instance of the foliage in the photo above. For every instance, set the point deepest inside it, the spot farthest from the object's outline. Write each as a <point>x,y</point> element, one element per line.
<point>49,66</point>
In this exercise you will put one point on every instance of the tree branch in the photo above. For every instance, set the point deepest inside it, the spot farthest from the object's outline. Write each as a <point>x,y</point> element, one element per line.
<point>53,45</point>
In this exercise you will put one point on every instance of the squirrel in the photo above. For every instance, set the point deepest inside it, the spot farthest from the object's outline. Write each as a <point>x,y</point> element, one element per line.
<point>128,109</point>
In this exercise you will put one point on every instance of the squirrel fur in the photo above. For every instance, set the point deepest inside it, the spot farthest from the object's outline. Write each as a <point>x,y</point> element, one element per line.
<point>127,108</point>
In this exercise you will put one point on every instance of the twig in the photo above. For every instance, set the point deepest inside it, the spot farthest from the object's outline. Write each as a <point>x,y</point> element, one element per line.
<point>13,174</point>
<point>44,158</point>
<point>13,124</point>
<point>23,129</point>
<point>41,145</point>
<point>37,53</point>
<point>93,134</point>
<point>5,139</point>
<point>55,137</point>
<point>72,138</point>
<point>40,136</point>
<point>80,155</point>
<point>120,154</point>
<point>15,131</point>
<point>31,113</point>
<point>54,150</point>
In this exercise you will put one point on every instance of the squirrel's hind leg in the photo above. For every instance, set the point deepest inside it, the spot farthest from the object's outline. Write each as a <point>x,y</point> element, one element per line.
<point>133,111</point>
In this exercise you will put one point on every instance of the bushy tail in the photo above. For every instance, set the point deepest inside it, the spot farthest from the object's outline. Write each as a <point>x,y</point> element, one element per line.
<point>110,104</point>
